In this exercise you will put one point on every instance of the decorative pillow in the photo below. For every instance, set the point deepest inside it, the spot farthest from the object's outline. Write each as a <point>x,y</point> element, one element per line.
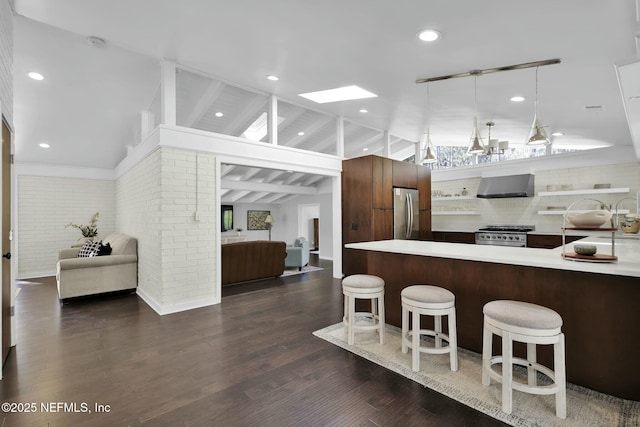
<point>89,249</point>
<point>104,249</point>
<point>299,242</point>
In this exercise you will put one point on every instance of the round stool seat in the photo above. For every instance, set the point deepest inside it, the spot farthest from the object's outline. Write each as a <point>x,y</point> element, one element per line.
<point>517,321</point>
<point>428,300</point>
<point>362,281</point>
<point>522,315</point>
<point>421,295</point>
<point>367,287</point>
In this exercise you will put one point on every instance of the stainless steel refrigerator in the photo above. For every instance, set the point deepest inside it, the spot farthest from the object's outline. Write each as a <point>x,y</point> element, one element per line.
<point>406,214</point>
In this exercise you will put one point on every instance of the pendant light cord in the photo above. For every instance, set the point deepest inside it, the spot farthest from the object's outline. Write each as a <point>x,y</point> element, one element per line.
<point>475,92</point>
<point>428,115</point>
<point>536,103</point>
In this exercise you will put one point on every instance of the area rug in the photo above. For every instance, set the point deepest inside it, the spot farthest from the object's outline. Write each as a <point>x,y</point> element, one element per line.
<point>585,407</point>
<point>305,269</point>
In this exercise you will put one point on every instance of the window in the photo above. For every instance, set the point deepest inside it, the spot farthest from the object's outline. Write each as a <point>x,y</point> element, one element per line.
<point>227,217</point>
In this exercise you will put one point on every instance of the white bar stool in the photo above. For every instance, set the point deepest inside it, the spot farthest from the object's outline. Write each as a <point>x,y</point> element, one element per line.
<point>431,301</point>
<point>531,324</point>
<point>363,286</point>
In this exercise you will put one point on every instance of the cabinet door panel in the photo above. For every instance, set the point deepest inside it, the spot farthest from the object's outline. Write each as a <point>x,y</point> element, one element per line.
<point>382,183</point>
<point>382,224</point>
<point>405,175</point>
<point>356,200</point>
<point>425,226</point>
<point>424,187</point>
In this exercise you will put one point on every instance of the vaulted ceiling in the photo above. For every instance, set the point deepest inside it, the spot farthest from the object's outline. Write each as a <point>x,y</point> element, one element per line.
<point>87,108</point>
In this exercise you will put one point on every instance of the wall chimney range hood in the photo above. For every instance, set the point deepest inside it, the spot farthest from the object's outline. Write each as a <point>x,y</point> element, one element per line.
<point>500,187</point>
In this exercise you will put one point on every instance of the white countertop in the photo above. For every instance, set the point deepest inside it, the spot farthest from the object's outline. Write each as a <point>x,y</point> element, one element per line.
<point>626,249</point>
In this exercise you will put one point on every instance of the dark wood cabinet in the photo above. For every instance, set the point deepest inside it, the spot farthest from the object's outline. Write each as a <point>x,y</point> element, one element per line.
<point>454,236</point>
<point>405,175</point>
<point>382,176</point>
<point>367,202</point>
<point>382,224</point>
<point>549,241</point>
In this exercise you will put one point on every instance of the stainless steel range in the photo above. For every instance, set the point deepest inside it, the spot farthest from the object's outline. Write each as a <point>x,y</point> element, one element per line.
<point>504,235</point>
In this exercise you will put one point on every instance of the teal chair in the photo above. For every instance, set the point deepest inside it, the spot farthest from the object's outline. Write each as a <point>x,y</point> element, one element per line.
<point>298,254</point>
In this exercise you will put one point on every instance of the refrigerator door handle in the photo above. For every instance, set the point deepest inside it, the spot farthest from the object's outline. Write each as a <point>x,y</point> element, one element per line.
<point>409,216</point>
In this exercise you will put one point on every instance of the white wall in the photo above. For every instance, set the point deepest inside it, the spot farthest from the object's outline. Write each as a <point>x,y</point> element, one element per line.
<point>45,205</point>
<point>6,61</point>
<point>138,200</point>
<point>289,214</point>
<point>157,200</point>
<point>524,211</point>
<point>240,221</point>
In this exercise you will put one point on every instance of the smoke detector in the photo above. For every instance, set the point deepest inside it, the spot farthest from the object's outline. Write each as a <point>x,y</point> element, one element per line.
<point>95,42</point>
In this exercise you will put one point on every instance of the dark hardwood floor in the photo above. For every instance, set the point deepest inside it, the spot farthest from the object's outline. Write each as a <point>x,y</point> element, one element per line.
<point>250,361</point>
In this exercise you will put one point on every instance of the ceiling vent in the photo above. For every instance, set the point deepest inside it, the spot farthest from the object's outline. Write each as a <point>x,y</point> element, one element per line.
<point>594,108</point>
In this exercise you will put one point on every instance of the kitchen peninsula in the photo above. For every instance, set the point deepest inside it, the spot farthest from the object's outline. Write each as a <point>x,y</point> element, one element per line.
<point>599,302</point>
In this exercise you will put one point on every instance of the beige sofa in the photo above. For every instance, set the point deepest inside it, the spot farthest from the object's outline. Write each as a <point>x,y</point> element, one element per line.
<point>87,276</point>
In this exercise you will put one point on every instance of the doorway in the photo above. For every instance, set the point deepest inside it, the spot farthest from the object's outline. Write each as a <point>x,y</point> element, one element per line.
<point>306,216</point>
<point>6,241</point>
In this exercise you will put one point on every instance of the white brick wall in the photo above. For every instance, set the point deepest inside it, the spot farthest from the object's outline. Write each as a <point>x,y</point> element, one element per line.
<point>45,206</point>
<point>6,60</point>
<point>525,210</point>
<point>138,214</point>
<point>156,202</point>
<point>189,249</point>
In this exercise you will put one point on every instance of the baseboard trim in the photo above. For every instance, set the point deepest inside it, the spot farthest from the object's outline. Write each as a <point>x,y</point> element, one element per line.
<point>163,310</point>
<point>36,275</point>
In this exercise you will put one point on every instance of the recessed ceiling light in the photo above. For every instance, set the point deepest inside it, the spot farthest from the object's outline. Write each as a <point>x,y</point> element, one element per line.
<point>557,133</point>
<point>345,93</point>
<point>44,145</point>
<point>517,98</point>
<point>429,35</point>
<point>362,110</point>
<point>219,114</point>
<point>365,149</point>
<point>273,78</point>
<point>300,133</point>
<point>36,76</point>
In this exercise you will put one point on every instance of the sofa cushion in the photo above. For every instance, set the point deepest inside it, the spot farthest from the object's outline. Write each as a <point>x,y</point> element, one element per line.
<point>89,249</point>
<point>122,244</point>
<point>299,242</point>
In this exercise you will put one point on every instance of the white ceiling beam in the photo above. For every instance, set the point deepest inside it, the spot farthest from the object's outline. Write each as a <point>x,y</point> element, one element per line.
<point>212,92</point>
<point>226,169</point>
<point>271,188</point>
<point>234,127</point>
<point>292,116</point>
<point>327,142</point>
<point>309,132</point>
<point>235,196</point>
<point>253,198</point>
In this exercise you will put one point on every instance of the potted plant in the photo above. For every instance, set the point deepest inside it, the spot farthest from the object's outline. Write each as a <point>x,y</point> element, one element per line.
<point>89,232</point>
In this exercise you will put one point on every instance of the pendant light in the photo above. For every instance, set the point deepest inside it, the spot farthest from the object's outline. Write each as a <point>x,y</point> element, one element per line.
<point>537,135</point>
<point>428,155</point>
<point>475,144</point>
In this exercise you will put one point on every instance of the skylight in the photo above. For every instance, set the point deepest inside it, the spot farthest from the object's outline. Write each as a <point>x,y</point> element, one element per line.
<point>258,129</point>
<point>345,93</point>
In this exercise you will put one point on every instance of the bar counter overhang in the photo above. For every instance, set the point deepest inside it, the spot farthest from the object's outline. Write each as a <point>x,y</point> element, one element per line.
<point>599,303</point>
